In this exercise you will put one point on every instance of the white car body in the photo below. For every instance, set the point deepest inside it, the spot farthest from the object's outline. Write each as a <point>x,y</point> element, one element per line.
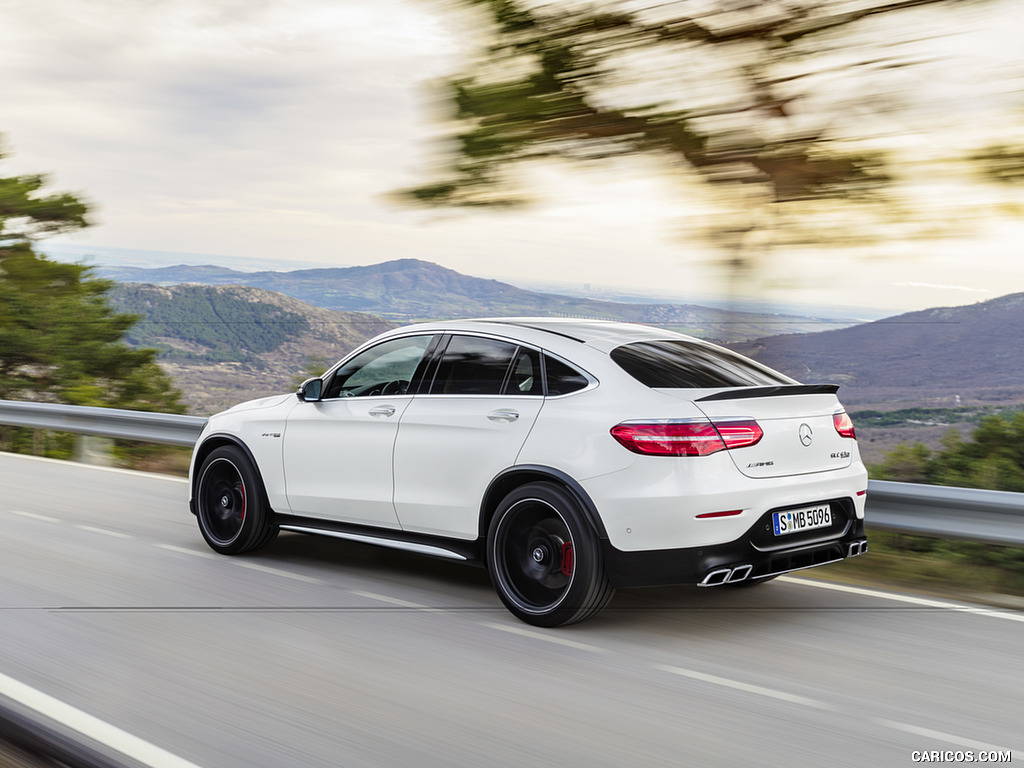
<point>426,470</point>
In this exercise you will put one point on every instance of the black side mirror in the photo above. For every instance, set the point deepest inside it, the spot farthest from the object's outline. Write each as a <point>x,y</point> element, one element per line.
<point>310,391</point>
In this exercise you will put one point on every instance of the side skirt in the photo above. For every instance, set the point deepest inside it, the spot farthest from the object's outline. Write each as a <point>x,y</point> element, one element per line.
<point>423,544</point>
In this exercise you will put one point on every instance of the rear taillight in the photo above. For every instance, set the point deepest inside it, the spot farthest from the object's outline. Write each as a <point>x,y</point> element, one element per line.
<point>690,437</point>
<point>844,424</point>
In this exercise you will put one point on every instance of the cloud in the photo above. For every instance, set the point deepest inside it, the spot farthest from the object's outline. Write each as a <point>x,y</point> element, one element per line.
<point>273,128</point>
<point>257,105</point>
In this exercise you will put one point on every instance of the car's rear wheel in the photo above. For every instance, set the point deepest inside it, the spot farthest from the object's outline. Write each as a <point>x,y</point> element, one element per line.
<point>544,557</point>
<point>234,516</point>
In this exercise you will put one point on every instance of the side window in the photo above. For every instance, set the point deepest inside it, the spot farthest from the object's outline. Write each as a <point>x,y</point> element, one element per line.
<point>385,369</point>
<point>473,366</point>
<point>525,378</point>
<point>563,379</point>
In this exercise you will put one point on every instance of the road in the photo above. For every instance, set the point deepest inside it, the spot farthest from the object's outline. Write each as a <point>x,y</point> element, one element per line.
<point>316,652</point>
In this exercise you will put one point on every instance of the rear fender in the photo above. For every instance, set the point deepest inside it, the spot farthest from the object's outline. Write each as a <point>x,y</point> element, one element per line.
<point>521,474</point>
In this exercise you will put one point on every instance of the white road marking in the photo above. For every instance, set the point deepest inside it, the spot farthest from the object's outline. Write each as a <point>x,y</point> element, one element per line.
<point>922,601</point>
<point>185,551</point>
<point>92,727</point>
<point>273,571</point>
<point>959,741</point>
<point>240,563</point>
<point>104,531</point>
<point>35,516</point>
<point>119,470</point>
<point>396,601</point>
<point>746,687</point>
<point>557,640</point>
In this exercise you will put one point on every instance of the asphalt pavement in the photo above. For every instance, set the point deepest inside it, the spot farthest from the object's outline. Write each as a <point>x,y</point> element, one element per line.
<point>118,623</point>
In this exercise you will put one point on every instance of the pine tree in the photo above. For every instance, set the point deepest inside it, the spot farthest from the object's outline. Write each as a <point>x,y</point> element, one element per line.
<point>60,341</point>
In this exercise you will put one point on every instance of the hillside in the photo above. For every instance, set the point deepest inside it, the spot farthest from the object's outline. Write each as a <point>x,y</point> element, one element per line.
<point>971,351</point>
<point>225,344</point>
<point>410,289</point>
<point>913,377</point>
<point>905,378</point>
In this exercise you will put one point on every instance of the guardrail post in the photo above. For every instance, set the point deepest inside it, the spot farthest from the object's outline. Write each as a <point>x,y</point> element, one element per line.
<point>90,449</point>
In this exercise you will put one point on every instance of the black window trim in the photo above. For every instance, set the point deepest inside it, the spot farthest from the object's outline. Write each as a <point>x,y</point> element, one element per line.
<point>436,351</point>
<point>435,364</point>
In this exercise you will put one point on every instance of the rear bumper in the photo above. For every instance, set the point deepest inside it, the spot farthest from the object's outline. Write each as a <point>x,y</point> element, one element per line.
<point>735,561</point>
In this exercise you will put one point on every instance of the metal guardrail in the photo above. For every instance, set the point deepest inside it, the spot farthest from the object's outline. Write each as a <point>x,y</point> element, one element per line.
<point>167,428</point>
<point>994,517</point>
<point>969,514</point>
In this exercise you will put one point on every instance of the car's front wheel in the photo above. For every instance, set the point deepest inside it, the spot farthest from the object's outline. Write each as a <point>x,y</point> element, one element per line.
<point>230,504</point>
<point>544,557</point>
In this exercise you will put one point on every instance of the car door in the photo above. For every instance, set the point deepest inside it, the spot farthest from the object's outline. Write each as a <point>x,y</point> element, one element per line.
<point>338,449</point>
<point>469,425</point>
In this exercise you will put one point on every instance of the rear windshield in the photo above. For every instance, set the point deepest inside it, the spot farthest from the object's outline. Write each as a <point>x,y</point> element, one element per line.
<point>688,365</point>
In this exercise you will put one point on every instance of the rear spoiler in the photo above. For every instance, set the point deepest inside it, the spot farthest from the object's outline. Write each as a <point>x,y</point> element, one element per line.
<point>781,390</point>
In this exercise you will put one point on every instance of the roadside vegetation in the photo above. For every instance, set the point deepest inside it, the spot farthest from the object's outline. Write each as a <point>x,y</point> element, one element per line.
<point>60,340</point>
<point>929,416</point>
<point>993,458</point>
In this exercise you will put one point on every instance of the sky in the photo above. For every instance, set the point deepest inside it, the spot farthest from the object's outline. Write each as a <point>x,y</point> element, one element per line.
<point>264,132</point>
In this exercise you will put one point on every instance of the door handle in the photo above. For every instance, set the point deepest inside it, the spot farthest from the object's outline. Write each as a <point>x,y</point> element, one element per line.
<point>505,414</point>
<point>383,410</point>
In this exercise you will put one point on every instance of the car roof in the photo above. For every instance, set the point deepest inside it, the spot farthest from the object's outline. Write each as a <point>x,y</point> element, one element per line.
<point>601,334</point>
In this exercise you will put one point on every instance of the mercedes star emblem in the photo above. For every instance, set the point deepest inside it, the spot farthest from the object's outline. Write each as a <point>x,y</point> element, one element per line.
<point>806,434</point>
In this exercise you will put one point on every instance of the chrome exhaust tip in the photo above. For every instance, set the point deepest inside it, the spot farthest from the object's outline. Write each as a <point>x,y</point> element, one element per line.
<point>739,573</point>
<point>857,548</point>
<point>726,576</point>
<point>713,579</point>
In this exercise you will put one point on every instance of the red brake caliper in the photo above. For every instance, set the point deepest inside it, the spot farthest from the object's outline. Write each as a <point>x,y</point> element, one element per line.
<point>241,489</point>
<point>567,558</point>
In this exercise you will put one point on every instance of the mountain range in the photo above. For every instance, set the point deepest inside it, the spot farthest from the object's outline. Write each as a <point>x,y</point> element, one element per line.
<point>406,290</point>
<point>227,342</point>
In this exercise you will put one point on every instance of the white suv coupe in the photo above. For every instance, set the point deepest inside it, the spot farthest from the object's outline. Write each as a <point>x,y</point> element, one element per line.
<point>569,457</point>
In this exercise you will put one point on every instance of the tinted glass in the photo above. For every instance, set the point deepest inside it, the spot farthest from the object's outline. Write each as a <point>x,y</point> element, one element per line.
<point>385,369</point>
<point>525,378</point>
<point>683,364</point>
<point>473,366</point>
<point>563,379</point>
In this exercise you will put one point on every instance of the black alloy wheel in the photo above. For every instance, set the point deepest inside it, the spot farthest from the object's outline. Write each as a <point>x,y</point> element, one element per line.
<point>231,505</point>
<point>544,557</point>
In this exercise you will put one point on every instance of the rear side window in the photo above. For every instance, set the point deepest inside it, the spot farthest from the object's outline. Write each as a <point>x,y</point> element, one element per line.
<point>688,365</point>
<point>562,379</point>
<point>473,366</point>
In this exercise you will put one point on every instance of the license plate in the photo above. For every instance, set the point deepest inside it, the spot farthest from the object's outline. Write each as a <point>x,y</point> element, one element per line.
<point>807,519</point>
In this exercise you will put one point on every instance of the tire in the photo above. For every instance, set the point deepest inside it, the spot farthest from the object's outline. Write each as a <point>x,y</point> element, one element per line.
<point>234,516</point>
<point>544,558</point>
